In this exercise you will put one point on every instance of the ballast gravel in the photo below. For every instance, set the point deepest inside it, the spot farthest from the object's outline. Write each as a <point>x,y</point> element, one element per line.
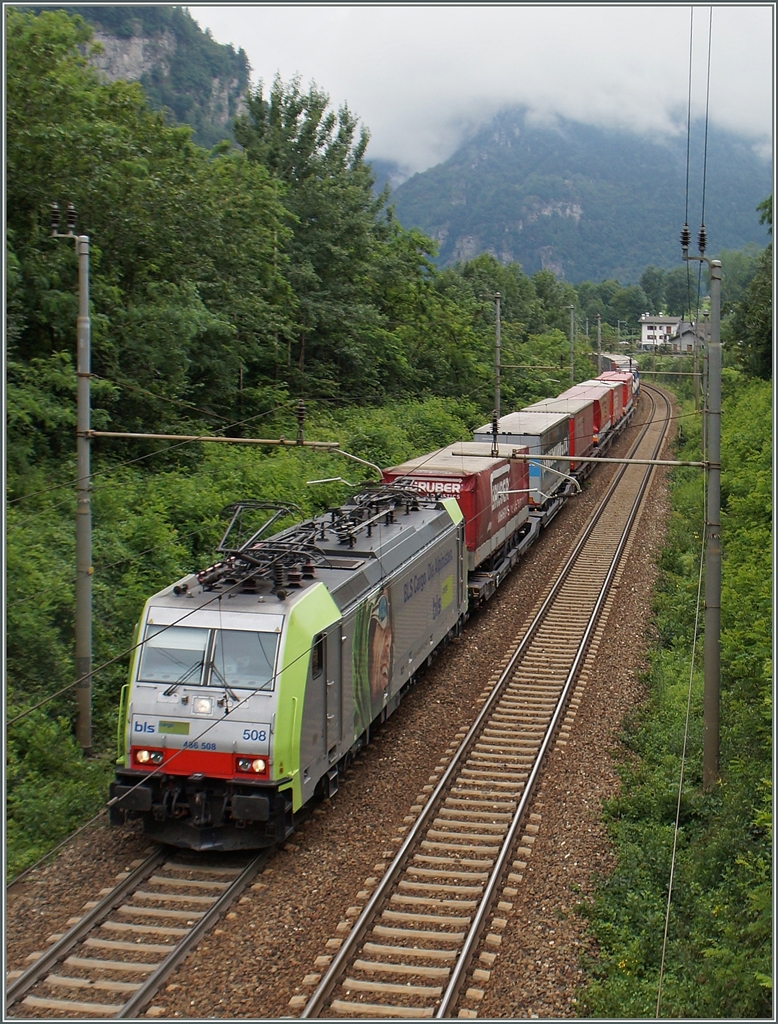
<point>256,958</point>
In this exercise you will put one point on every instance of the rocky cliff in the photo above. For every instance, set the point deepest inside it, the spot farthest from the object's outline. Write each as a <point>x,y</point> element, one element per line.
<point>182,69</point>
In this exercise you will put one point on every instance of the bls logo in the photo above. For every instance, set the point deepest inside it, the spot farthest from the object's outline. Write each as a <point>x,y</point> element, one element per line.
<point>143,727</point>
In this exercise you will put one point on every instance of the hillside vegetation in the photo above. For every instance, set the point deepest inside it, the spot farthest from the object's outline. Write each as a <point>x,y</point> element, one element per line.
<point>226,286</point>
<point>184,72</point>
<point>719,956</point>
<point>582,201</point>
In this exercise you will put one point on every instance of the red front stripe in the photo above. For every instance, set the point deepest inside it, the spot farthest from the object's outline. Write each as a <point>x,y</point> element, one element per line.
<point>212,763</point>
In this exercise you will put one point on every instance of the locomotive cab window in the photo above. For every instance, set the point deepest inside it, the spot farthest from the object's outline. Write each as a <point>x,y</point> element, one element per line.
<point>240,659</point>
<point>173,654</point>
<point>243,660</point>
<point>317,655</point>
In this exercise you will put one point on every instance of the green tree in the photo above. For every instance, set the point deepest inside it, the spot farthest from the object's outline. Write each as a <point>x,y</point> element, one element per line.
<point>186,282</point>
<point>197,74</point>
<point>338,234</point>
<point>750,329</point>
<point>652,281</point>
<point>554,297</point>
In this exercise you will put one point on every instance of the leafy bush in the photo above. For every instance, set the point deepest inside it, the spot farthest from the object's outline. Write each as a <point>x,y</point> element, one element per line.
<point>718,961</point>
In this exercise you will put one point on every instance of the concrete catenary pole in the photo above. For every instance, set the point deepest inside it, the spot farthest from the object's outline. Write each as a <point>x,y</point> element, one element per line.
<point>83,623</point>
<point>497,354</point>
<point>599,343</point>
<point>712,656</point>
<point>83,659</point>
<point>572,344</point>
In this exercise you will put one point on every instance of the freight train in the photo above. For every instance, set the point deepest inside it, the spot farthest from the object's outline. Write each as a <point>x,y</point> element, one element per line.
<point>255,682</point>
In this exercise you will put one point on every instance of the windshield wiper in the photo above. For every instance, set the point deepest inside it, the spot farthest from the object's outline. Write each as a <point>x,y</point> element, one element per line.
<point>182,679</point>
<point>223,681</point>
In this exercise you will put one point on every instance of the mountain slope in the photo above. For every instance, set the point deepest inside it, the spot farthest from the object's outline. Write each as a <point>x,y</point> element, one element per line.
<point>200,82</point>
<point>584,202</point>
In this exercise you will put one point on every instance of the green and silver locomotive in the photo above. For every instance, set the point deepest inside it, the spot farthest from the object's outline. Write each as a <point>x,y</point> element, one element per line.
<point>255,681</point>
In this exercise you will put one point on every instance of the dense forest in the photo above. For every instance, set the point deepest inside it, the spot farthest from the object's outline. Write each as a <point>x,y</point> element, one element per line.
<point>226,285</point>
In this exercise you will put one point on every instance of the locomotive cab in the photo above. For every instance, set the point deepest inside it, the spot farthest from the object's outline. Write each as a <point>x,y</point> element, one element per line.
<point>203,764</point>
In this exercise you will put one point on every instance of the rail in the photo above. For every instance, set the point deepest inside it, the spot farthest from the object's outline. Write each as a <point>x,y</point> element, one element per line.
<point>149,915</point>
<point>489,779</point>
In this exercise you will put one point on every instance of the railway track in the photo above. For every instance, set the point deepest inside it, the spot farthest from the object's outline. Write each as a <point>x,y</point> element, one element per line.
<point>114,958</point>
<point>409,950</point>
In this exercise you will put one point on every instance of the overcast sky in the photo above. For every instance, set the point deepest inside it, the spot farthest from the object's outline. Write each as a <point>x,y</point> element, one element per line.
<point>420,76</point>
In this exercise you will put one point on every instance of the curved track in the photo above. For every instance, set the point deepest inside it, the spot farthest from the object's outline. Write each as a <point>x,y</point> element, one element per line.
<point>409,951</point>
<point>116,956</point>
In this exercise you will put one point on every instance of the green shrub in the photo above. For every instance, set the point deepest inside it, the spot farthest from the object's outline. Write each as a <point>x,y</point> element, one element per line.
<point>718,958</point>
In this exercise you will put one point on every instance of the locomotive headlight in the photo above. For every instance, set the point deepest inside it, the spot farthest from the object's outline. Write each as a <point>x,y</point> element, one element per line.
<point>249,764</point>
<point>149,756</point>
<point>202,705</point>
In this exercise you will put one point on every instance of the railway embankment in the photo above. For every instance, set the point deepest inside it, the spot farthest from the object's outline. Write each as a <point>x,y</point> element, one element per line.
<point>256,959</point>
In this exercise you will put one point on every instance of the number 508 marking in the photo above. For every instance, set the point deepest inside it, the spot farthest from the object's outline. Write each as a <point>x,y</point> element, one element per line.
<point>258,735</point>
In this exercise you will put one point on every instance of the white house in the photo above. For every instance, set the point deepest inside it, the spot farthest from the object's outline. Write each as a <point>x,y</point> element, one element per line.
<point>656,331</point>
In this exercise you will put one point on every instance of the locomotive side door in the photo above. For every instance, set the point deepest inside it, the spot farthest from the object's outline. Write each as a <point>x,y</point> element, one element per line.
<point>334,692</point>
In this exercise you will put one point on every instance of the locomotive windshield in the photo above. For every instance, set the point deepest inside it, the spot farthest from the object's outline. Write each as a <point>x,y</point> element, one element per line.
<point>244,659</point>
<point>208,657</point>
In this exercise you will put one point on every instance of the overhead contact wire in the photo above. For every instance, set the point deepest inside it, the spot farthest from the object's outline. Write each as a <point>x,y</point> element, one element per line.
<point>130,462</point>
<point>677,825</point>
<point>688,151</point>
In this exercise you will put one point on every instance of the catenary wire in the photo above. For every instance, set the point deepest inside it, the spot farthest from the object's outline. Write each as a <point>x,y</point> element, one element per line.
<point>676,828</point>
<point>151,774</point>
<point>140,458</point>
<point>167,448</point>
<point>688,154</point>
<point>160,398</point>
<point>689,115</point>
<point>707,111</point>
<point>129,650</point>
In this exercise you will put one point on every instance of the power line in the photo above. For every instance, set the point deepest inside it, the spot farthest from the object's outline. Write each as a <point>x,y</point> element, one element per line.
<point>121,465</point>
<point>677,826</point>
<point>160,398</point>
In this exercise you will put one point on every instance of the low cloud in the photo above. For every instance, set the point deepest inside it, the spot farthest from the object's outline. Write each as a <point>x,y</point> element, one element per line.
<point>422,78</point>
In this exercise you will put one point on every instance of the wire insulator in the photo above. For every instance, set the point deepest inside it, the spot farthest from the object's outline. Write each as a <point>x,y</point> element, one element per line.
<point>54,218</point>
<point>71,218</point>
<point>702,239</point>
<point>686,237</point>
<point>279,576</point>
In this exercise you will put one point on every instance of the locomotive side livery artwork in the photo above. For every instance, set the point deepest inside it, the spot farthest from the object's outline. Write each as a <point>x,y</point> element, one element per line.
<point>255,681</point>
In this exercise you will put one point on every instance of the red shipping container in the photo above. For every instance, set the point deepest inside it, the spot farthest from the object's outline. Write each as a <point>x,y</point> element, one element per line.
<point>492,493</point>
<point>581,413</point>
<point>627,380</point>
<point>617,395</point>
<point>602,398</point>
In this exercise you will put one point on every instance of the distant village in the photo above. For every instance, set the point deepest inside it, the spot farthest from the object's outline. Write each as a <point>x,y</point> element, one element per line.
<point>671,333</point>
